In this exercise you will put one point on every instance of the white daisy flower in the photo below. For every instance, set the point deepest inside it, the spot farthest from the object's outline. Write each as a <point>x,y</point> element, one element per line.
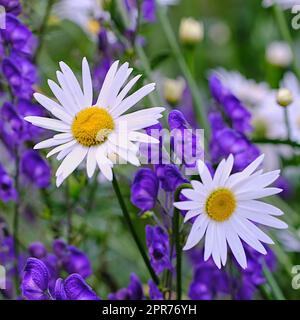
<point>95,131</point>
<point>227,210</point>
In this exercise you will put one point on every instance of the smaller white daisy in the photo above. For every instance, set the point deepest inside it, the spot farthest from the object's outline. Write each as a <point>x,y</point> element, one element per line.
<point>95,131</point>
<point>227,210</point>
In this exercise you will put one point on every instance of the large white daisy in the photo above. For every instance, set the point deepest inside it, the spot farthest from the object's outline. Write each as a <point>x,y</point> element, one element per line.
<point>96,131</point>
<point>227,210</point>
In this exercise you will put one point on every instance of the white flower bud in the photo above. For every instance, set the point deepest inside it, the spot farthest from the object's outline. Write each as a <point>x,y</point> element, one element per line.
<point>284,97</point>
<point>173,90</point>
<point>191,31</point>
<point>279,54</point>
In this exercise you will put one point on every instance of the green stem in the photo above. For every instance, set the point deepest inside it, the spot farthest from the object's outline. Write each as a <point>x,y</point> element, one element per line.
<point>177,241</point>
<point>276,142</point>
<point>42,28</point>
<point>287,123</point>
<point>132,230</point>
<point>286,35</point>
<point>198,107</point>
<point>16,222</point>
<point>273,284</point>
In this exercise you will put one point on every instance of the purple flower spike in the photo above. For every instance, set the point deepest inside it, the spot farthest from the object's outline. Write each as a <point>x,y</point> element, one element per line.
<point>144,189</point>
<point>77,289</point>
<point>154,292</point>
<point>36,169</point>
<point>158,246</point>
<point>35,280</point>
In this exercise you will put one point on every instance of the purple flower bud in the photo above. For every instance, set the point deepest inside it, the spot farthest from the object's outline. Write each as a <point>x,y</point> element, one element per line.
<point>36,169</point>
<point>11,6</point>
<point>134,291</point>
<point>37,250</point>
<point>144,189</point>
<point>154,292</point>
<point>35,280</point>
<point>169,176</point>
<point>59,290</point>
<point>72,259</point>
<point>7,190</point>
<point>158,247</point>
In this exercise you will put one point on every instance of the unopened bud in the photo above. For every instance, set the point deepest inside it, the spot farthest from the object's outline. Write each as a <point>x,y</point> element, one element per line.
<point>191,31</point>
<point>284,97</point>
<point>173,90</point>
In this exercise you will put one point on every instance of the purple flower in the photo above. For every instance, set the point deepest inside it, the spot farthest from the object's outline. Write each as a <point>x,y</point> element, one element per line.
<point>18,36</point>
<point>74,288</point>
<point>35,280</point>
<point>36,169</point>
<point>159,250</point>
<point>72,259</point>
<point>208,280</point>
<point>226,141</point>
<point>7,190</point>
<point>134,291</point>
<point>35,284</point>
<point>239,116</point>
<point>148,9</point>
<point>11,6</point>
<point>144,189</point>
<point>185,141</point>
<point>20,74</point>
<point>169,176</point>
<point>37,250</point>
<point>154,292</point>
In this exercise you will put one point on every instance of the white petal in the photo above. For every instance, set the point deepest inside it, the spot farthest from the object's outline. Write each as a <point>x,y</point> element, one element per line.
<point>187,205</point>
<point>91,162</point>
<point>204,173</point>
<point>246,235</point>
<point>215,250</point>
<point>209,240</point>
<point>199,187</point>
<point>197,232</point>
<point>220,237</point>
<point>87,83</point>
<point>124,92</point>
<point>259,234</point>
<point>107,84</point>
<point>104,164</point>
<point>219,172</point>
<point>192,195</point>
<point>63,136</point>
<point>50,143</point>
<point>62,115</point>
<point>62,154</point>
<point>133,99</point>
<point>61,147</point>
<point>141,137</point>
<point>235,245</point>
<point>70,101</point>
<point>73,84</point>
<point>258,206</point>
<point>191,214</point>
<point>121,76</point>
<point>48,123</point>
<point>46,102</point>
<point>263,219</point>
<point>257,194</point>
<point>227,170</point>
<point>70,163</point>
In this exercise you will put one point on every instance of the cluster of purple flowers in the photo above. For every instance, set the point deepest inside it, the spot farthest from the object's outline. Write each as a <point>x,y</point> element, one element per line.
<point>17,46</point>
<point>209,282</point>
<point>230,122</point>
<point>41,275</point>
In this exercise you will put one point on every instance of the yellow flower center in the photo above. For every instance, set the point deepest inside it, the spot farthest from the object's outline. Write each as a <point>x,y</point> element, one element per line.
<point>92,126</point>
<point>94,26</point>
<point>220,205</point>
